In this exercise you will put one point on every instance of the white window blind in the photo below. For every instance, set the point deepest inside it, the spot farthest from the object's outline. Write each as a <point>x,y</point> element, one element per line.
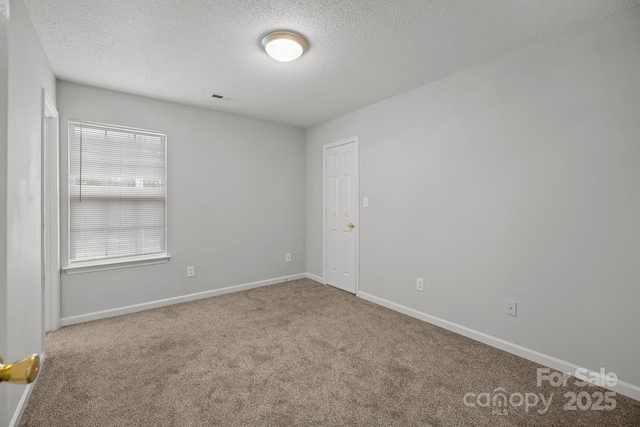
<point>117,192</point>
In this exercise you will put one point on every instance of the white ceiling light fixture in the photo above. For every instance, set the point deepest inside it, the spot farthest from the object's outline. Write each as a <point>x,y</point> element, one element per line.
<point>284,46</point>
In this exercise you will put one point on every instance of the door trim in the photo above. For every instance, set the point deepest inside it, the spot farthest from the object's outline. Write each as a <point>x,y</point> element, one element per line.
<point>325,148</point>
<point>50,214</point>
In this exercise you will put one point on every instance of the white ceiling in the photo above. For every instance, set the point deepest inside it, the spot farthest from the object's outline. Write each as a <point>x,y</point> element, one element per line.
<point>361,51</point>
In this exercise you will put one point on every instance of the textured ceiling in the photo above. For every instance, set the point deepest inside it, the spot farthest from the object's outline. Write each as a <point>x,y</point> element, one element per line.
<point>361,51</point>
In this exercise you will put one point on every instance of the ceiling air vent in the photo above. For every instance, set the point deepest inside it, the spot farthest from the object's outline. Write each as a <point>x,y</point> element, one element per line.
<point>217,96</point>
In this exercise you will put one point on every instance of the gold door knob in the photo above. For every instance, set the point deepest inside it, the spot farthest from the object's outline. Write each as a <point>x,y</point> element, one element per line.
<point>351,225</point>
<point>22,372</point>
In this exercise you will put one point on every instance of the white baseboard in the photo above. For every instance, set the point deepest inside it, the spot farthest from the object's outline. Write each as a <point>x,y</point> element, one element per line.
<point>72,320</point>
<point>622,387</point>
<point>22,405</point>
<point>315,278</point>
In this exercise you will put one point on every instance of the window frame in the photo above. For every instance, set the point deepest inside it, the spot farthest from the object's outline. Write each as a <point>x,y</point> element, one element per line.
<point>115,262</point>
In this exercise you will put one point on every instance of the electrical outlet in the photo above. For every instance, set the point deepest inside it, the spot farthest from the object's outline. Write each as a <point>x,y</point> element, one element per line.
<point>512,308</point>
<point>191,271</point>
<point>420,284</point>
<point>287,257</point>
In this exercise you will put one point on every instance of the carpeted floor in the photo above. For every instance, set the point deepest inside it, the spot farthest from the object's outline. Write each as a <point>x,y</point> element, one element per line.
<point>296,353</point>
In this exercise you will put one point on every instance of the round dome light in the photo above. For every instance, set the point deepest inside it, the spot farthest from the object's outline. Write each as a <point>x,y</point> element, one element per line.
<point>284,46</point>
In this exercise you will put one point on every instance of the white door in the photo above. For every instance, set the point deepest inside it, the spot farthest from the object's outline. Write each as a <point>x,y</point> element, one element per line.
<point>341,214</point>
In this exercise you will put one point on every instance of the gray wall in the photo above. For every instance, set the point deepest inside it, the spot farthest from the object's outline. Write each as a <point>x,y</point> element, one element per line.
<point>29,71</point>
<point>236,200</point>
<point>4,95</point>
<point>516,179</point>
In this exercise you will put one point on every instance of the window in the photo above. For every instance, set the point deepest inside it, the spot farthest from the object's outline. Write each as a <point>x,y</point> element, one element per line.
<point>117,193</point>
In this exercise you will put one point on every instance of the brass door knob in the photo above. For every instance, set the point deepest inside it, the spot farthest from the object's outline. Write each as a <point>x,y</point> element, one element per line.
<point>351,225</point>
<point>23,372</point>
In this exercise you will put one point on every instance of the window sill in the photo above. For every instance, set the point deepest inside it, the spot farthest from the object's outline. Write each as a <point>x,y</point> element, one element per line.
<point>114,264</point>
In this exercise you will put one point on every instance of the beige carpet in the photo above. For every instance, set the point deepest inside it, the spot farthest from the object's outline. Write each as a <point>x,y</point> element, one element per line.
<point>296,353</point>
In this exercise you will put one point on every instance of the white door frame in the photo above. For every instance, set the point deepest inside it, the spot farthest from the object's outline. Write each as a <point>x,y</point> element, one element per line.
<point>50,214</point>
<point>325,148</point>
